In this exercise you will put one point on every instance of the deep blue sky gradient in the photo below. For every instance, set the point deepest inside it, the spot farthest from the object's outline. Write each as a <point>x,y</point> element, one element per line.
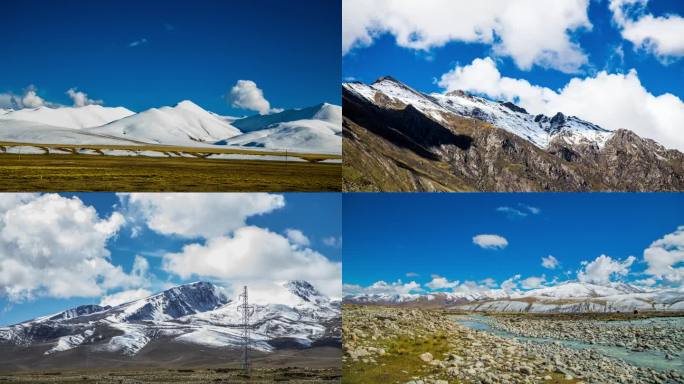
<point>195,50</point>
<point>387,235</point>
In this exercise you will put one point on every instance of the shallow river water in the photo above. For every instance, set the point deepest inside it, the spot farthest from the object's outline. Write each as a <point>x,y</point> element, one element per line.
<point>649,359</point>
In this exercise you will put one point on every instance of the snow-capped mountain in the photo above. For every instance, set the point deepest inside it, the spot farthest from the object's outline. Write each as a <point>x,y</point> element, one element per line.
<point>323,112</point>
<point>318,127</point>
<point>70,117</point>
<point>184,124</point>
<point>571,296</point>
<point>400,139</point>
<point>539,129</point>
<point>192,314</point>
<point>434,299</point>
<point>311,130</point>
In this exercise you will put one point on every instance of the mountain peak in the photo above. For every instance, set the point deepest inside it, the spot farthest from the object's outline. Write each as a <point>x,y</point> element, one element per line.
<point>303,289</point>
<point>457,92</point>
<point>188,105</point>
<point>179,301</point>
<point>386,78</point>
<point>514,107</point>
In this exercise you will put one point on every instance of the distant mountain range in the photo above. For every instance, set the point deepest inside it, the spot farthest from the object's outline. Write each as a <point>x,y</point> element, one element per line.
<point>571,296</point>
<point>316,129</point>
<point>399,139</point>
<point>191,316</point>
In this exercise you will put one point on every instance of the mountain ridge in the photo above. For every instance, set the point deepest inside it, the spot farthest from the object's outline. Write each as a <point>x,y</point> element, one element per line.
<point>459,142</point>
<point>570,296</point>
<point>315,129</point>
<point>199,313</point>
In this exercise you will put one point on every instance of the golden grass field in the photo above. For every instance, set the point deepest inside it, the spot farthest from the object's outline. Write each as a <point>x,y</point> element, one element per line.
<point>291,375</point>
<point>79,172</point>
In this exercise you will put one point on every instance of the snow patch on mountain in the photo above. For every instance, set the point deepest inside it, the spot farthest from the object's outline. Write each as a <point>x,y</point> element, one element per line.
<point>39,133</point>
<point>540,130</point>
<point>66,343</point>
<point>571,296</point>
<point>323,112</point>
<point>315,129</point>
<point>70,117</point>
<point>197,313</point>
<point>300,136</point>
<point>184,124</point>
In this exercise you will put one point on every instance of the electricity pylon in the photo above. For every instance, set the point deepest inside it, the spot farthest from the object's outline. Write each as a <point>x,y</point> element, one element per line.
<point>246,310</point>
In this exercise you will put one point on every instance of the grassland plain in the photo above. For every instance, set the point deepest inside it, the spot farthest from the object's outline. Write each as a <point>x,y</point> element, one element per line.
<point>411,345</point>
<point>160,364</point>
<point>291,375</point>
<point>79,172</point>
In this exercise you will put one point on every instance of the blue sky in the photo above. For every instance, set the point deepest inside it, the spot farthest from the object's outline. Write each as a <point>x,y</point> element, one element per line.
<point>616,65</point>
<point>317,216</point>
<point>387,235</point>
<point>186,50</point>
<point>419,68</point>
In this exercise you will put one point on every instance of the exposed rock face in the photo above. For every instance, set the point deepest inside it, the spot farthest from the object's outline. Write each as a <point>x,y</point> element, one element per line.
<point>398,139</point>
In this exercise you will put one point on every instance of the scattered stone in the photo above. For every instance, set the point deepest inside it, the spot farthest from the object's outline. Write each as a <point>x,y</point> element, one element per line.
<point>426,357</point>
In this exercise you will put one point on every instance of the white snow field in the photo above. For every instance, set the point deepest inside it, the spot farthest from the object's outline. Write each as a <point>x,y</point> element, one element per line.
<point>313,130</point>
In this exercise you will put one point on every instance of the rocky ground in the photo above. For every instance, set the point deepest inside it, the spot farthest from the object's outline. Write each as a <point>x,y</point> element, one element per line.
<point>397,345</point>
<point>640,336</point>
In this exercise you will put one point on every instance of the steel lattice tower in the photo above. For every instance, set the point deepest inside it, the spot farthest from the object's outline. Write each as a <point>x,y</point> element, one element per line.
<point>246,311</point>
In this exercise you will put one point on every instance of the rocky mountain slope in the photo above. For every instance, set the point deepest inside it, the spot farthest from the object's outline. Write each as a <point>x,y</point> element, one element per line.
<point>187,316</point>
<point>571,296</point>
<point>398,139</point>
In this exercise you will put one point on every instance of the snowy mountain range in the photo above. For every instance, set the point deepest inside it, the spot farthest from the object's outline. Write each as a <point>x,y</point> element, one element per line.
<point>540,130</point>
<point>401,139</point>
<point>570,296</point>
<point>199,314</point>
<point>315,129</point>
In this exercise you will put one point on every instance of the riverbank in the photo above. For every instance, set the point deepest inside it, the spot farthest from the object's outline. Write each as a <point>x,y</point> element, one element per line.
<point>396,345</point>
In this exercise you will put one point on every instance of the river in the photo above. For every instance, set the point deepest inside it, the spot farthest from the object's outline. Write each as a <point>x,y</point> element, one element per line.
<point>647,359</point>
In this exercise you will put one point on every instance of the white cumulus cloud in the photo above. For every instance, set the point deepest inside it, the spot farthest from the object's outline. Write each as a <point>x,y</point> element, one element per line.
<point>29,99</point>
<point>488,241</point>
<point>533,282</point>
<point>81,99</point>
<point>198,214</point>
<point>332,241</point>
<point>550,262</point>
<point>297,237</point>
<point>612,101</point>
<point>253,254</point>
<point>54,246</point>
<point>246,95</point>
<point>661,35</point>
<point>522,29</point>
<point>665,256</point>
<point>604,269</point>
<point>439,282</point>
<point>383,288</point>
